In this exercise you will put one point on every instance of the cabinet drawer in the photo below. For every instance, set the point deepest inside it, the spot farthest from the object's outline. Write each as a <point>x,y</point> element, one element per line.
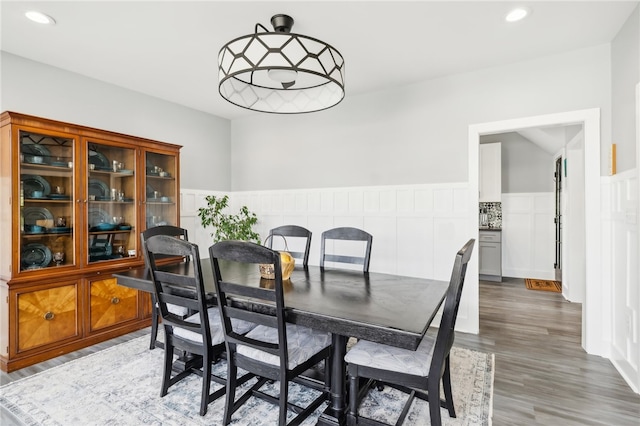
<point>46,316</point>
<point>110,304</point>
<point>490,236</point>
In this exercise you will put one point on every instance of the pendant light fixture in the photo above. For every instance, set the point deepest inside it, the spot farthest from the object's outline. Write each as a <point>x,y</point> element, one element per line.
<point>279,71</point>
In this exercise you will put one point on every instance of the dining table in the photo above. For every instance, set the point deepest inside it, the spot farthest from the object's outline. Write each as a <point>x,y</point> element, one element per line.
<point>385,308</point>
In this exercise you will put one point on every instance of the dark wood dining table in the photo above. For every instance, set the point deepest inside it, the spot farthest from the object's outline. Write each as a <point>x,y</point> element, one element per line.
<point>384,308</point>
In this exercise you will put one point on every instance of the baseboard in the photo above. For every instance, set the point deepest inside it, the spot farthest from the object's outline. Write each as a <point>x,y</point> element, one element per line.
<point>494,278</point>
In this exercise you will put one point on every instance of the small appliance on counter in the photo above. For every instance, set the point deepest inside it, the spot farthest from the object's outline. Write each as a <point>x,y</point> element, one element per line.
<point>484,217</point>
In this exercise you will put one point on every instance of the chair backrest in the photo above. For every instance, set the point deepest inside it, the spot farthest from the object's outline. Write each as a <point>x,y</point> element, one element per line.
<point>179,287</point>
<point>293,231</point>
<point>172,231</point>
<point>446,333</point>
<point>347,234</point>
<point>227,290</point>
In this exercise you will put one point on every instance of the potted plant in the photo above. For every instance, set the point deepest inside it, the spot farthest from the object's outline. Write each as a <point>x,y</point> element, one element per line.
<point>228,226</point>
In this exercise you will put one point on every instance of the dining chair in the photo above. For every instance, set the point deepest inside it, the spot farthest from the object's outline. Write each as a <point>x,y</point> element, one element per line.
<point>275,350</point>
<point>346,234</point>
<point>172,231</point>
<point>198,334</point>
<point>296,232</point>
<point>418,373</point>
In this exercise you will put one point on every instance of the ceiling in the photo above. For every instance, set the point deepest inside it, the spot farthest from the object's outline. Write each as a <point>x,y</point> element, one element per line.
<point>168,49</point>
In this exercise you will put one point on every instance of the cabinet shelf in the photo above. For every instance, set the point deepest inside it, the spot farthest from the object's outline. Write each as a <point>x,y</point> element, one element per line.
<point>46,200</point>
<point>156,177</point>
<point>35,235</point>
<point>110,173</point>
<point>115,231</point>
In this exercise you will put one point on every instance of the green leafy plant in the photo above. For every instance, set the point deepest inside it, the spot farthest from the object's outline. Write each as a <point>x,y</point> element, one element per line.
<point>228,226</point>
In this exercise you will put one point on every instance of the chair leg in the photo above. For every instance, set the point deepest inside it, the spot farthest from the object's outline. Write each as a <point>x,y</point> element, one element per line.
<point>154,322</point>
<point>433,388</point>
<point>282,402</point>
<point>206,383</point>
<point>446,384</point>
<point>168,364</point>
<point>327,373</point>
<point>232,371</point>
<point>352,413</point>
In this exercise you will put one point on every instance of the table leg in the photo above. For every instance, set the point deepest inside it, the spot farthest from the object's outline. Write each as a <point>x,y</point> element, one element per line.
<point>334,414</point>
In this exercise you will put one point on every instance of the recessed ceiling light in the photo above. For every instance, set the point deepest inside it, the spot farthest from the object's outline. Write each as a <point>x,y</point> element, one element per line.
<point>517,14</point>
<point>40,17</point>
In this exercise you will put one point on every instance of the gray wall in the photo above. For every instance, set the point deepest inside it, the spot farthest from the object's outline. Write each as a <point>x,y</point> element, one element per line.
<point>414,134</point>
<point>405,135</point>
<point>625,73</point>
<point>525,166</point>
<point>33,88</point>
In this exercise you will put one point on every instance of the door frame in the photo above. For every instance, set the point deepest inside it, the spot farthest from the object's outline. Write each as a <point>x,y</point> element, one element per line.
<point>596,316</point>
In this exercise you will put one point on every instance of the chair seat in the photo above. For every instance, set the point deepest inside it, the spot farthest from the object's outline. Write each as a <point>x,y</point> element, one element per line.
<point>177,310</point>
<point>384,357</point>
<point>302,344</point>
<point>215,325</point>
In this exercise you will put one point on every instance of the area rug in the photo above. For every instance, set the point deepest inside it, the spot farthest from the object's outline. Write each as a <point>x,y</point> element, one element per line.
<point>544,285</point>
<point>121,386</point>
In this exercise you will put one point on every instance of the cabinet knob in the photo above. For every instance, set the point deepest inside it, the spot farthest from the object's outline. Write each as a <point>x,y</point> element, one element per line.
<point>48,316</point>
<point>115,300</point>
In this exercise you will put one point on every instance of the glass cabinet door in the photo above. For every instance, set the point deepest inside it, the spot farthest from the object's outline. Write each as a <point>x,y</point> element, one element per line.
<point>111,202</point>
<point>161,189</point>
<point>47,190</point>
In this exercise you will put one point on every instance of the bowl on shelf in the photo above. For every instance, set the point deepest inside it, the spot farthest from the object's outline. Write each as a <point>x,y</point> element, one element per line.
<point>37,194</point>
<point>105,226</point>
<point>37,159</point>
<point>34,229</point>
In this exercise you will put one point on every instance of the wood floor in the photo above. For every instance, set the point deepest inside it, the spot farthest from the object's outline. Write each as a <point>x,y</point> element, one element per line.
<point>542,374</point>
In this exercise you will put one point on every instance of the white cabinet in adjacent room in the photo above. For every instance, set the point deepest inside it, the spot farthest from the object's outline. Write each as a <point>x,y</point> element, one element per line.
<point>490,173</point>
<point>491,255</point>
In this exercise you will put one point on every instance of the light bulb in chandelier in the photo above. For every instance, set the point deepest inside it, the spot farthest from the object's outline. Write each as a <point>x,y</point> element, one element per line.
<point>285,77</point>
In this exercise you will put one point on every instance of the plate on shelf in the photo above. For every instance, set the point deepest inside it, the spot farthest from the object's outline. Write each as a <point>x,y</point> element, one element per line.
<point>150,191</point>
<point>124,227</point>
<point>31,183</point>
<point>59,230</point>
<point>35,149</point>
<point>101,162</point>
<point>99,189</point>
<point>97,215</point>
<point>32,215</point>
<point>35,256</point>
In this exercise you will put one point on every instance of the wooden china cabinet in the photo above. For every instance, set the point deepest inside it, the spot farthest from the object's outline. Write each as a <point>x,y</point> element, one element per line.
<point>73,201</point>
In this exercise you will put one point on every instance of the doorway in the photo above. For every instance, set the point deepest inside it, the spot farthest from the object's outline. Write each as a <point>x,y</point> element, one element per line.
<point>594,319</point>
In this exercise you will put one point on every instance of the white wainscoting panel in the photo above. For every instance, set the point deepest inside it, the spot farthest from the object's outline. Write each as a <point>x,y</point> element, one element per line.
<point>528,235</point>
<point>417,229</point>
<point>622,256</point>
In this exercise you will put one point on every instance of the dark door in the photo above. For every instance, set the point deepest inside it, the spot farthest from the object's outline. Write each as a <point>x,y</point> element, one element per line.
<point>558,219</point>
